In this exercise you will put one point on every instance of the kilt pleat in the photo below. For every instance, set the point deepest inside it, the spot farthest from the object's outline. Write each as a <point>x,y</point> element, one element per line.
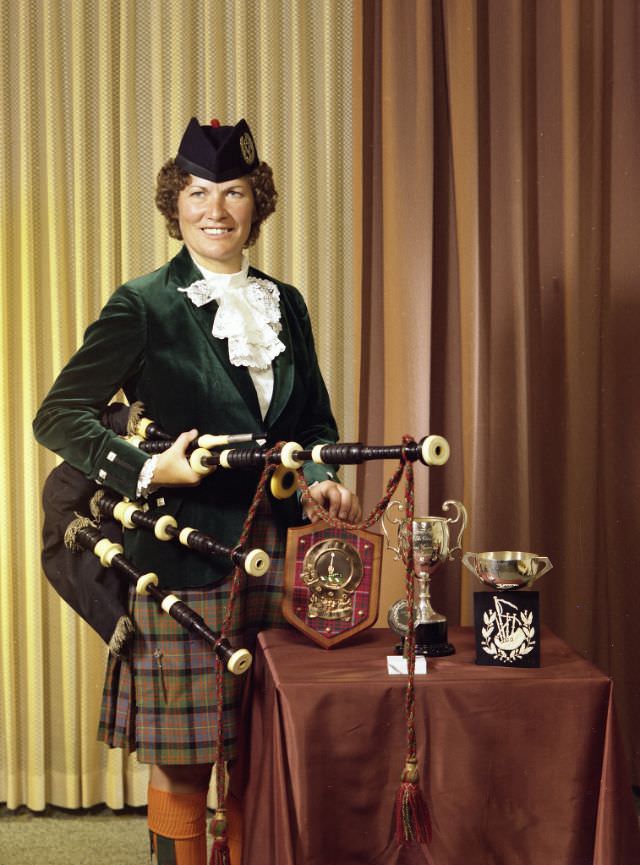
<point>161,700</point>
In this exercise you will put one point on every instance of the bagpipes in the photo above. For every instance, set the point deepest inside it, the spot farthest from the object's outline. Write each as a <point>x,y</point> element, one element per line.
<point>281,470</point>
<point>95,588</point>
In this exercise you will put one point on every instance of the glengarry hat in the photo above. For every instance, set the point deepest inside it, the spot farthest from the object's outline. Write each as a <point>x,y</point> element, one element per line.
<point>217,152</point>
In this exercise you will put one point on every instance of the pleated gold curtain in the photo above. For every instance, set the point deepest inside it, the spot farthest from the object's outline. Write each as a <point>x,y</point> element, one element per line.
<point>94,96</point>
<point>515,267</point>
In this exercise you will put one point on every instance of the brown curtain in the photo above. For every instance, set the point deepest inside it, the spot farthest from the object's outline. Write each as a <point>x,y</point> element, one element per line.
<point>500,225</point>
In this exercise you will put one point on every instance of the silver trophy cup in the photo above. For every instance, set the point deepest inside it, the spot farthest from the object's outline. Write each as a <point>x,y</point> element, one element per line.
<point>507,621</point>
<point>507,570</point>
<point>431,548</point>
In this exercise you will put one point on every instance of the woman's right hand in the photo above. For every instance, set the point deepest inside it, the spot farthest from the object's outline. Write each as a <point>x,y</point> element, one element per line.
<point>173,468</point>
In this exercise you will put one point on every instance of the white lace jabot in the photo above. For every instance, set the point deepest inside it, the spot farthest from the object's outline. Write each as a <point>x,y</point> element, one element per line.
<point>248,314</point>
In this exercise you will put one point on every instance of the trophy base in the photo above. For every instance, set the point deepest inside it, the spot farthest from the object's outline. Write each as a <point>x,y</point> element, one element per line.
<point>431,640</point>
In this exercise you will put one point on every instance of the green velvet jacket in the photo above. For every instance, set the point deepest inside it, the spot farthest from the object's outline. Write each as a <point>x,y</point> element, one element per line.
<point>152,342</point>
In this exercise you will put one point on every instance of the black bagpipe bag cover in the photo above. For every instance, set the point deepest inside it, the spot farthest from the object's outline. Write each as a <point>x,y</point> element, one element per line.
<point>96,593</point>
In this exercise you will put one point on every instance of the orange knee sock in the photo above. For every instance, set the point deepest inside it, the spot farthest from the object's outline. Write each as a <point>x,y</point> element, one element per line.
<point>177,827</point>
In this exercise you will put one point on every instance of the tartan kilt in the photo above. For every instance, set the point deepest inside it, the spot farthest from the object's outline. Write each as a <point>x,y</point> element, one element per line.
<point>161,700</point>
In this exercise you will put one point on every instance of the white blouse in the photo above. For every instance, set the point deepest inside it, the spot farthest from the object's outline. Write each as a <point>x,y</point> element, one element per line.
<point>248,316</point>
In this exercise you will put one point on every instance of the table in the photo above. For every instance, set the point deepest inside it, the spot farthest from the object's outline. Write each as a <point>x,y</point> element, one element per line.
<point>519,766</point>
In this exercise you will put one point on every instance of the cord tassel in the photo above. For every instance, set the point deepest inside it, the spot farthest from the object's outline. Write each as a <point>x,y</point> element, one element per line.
<point>220,851</point>
<point>413,823</point>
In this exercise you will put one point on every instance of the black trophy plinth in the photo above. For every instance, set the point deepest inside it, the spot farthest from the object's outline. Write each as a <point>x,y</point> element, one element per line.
<point>507,626</point>
<point>431,640</point>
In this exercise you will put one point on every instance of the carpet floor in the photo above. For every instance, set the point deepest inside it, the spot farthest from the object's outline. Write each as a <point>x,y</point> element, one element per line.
<point>96,836</point>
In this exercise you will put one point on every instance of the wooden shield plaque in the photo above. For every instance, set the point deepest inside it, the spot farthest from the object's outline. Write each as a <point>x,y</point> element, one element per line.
<point>331,582</point>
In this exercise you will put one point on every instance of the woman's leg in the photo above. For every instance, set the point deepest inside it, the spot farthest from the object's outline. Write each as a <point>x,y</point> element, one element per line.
<point>177,814</point>
<point>181,779</point>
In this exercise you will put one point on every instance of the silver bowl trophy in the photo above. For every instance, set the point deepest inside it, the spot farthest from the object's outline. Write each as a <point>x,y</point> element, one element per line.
<point>431,548</point>
<point>507,621</point>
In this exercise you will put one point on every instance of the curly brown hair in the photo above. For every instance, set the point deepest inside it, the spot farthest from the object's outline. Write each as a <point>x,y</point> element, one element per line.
<point>172,180</point>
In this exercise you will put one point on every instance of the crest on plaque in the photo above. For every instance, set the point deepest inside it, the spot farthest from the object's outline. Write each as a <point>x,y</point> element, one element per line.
<point>332,581</point>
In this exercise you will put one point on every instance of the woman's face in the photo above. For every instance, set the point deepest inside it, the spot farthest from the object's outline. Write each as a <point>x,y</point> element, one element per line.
<point>215,221</point>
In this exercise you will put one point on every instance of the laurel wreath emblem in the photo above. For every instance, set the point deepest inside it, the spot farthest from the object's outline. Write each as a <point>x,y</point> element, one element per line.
<point>521,639</point>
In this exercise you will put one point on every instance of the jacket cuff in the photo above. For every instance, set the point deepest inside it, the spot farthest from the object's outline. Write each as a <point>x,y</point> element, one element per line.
<point>119,466</point>
<point>314,472</point>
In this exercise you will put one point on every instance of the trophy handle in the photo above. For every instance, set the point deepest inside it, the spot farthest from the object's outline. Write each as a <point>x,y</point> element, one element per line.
<point>393,521</point>
<point>461,514</point>
<point>470,560</point>
<point>547,565</point>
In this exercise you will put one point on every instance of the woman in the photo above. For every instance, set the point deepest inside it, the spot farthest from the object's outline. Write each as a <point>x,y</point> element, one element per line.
<point>207,344</point>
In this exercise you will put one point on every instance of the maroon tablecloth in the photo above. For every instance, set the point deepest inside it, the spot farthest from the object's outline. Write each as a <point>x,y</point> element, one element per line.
<point>519,767</point>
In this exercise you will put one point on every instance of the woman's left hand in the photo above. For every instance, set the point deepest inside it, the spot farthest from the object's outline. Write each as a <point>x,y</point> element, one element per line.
<point>338,500</point>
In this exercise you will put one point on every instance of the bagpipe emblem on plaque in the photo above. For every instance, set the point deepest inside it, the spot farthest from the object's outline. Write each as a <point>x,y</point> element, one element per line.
<point>507,629</point>
<point>332,581</point>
